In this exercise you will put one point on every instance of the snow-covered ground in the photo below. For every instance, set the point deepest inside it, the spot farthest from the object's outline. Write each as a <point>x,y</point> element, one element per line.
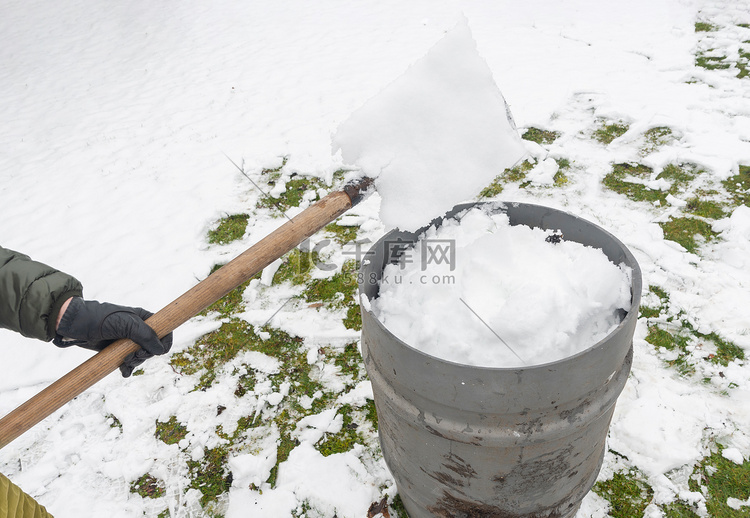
<point>115,120</point>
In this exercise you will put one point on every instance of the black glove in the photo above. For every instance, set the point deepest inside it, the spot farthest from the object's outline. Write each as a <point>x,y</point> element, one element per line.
<point>94,325</point>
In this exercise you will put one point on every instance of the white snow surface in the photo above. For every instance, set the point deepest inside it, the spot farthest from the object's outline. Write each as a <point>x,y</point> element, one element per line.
<point>488,298</point>
<point>434,137</point>
<point>116,119</point>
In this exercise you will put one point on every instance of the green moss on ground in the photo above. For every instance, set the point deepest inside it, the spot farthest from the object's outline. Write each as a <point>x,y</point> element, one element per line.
<point>113,422</point>
<point>371,413</point>
<point>710,61</point>
<point>148,487</point>
<point>210,475</point>
<point>272,174</point>
<point>678,510</point>
<point>342,234</point>
<point>212,351</point>
<point>338,292</point>
<point>350,361</point>
<point>345,439</point>
<point>398,507</point>
<point>229,229</point>
<point>230,303</point>
<point>738,186</point>
<point>540,136</point>
<point>627,493</point>
<point>285,444</point>
<point>296,187</point>
<point>607,132</point>
<point>563,166</point>
<point>515,174</point>
<point>705,27</point>
<point>297,267</point>
<point>170,432</point>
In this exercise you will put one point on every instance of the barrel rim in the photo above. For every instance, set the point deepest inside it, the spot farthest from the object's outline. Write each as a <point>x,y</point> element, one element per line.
<point>630,319</point>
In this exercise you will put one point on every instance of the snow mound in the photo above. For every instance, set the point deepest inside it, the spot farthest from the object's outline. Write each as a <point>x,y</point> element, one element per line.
<point>435,136</point>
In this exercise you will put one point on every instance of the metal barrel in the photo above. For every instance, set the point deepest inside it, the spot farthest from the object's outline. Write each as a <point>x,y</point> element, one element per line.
<point>464,441</point>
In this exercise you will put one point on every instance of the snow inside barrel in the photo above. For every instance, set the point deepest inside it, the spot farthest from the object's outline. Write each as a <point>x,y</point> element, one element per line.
<point>486,409</point>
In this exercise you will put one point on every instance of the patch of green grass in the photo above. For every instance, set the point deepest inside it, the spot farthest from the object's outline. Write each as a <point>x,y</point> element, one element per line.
<point>229,229</point>
<point>297,267</point>
<point>679,174</point>
<point>705,27</point>
<point>371,413</point>
<point>209,475</point>
<point>627,493</point>
<point>296,187</point>
<point>302,510</point>
<point>656,137</point>
<point>515,174</point>
<point>350,361</point>
<point>114,422</point>
<point>518,173</point>
<point>285,444</point>
<point>171,432</point>
<point>345,439</point>
<point>743,63</point>
<point>342,234</point>
<point>148,487</point>
<point>659,338</point>
<point>659,292</point>
<point>230,303</point>
<point>722,479</point>
<point>215,349</point>
<point>711,62</point>
<point>398,506</point>
<point>684,231</point>
<point>338,292</point>
<point>738,186</point>
<point>649,312</point>
<point>540,136</point>
<point>245,384</point>
<point>272,174</point>
<point>353,318</point>
<point>617,181</point>
<point>679,341</point>
<point>725,351</point>
<point>607,132</point>
<point>560,178</point>
<point>678,510</point>
<point>705,208</point>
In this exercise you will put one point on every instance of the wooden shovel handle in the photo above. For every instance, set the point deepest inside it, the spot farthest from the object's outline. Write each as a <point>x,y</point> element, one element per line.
<point>189,304</point>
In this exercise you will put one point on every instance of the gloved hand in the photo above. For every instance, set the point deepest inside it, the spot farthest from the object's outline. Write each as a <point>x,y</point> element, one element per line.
<point>94,325</point>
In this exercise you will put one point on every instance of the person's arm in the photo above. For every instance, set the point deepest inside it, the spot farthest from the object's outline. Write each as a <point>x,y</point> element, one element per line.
<point>40,302</point>
<point>32,295</point>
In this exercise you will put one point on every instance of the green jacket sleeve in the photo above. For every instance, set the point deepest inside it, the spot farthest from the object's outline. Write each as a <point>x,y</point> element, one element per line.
<point>31,295</point>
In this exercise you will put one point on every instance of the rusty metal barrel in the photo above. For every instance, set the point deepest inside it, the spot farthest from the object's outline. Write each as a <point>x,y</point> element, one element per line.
<point>464,441</point>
